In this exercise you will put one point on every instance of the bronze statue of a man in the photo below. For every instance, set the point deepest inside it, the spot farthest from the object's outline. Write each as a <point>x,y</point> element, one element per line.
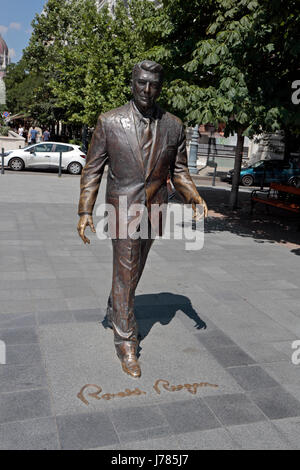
<point>142,144</point>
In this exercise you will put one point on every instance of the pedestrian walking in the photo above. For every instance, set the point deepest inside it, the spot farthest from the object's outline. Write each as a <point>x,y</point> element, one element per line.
<point>46,136</point>
<point>33,134</point>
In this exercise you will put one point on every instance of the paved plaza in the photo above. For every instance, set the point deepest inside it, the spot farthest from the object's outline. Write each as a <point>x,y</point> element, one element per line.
<point>224,318</point>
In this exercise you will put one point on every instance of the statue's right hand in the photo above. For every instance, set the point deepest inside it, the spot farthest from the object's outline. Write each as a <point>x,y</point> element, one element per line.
<point>84,221</point>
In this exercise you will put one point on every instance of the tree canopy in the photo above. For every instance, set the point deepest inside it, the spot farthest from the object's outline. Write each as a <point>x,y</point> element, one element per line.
<point>225,60</point>
<point>230,61</point>
<point>85,57</point>
<point>234,62</point>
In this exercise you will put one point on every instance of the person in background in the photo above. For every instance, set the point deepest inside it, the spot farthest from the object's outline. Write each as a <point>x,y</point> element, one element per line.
<point>46,136</point>
<point>33,133</point>
<point>21,130</point>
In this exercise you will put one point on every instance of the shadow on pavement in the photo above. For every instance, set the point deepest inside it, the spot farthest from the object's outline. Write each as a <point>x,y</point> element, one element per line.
<point>277,226</point>
<point>161,308</point>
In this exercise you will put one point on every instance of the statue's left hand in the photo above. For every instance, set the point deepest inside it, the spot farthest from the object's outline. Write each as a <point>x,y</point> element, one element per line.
<point>84,221</point>
<point>197,215</point>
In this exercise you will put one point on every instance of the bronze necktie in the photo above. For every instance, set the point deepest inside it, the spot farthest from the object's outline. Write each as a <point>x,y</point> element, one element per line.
<point>146,139</point>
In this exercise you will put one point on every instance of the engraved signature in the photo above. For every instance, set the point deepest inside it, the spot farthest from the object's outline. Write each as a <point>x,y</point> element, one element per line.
<point>191,388</point>
<point>106,396</point>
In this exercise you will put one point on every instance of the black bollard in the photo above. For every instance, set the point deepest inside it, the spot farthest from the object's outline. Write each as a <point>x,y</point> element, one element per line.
<point>60,164</point>
<point>214,174</point>
<point>2,162</point>
<point>262,183</point>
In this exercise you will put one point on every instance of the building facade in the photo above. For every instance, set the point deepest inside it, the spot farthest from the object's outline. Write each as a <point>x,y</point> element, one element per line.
<point>4,61</point>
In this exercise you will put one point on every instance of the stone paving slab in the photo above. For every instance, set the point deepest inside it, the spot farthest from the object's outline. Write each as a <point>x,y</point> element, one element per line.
<point>24,405</point>
<point>234,409</point>
<point>264,436</point>
<point>36,434</point>
<point>276,402</point>
<point>85,431</point>
<point>212,439</point>
<point>22,377</point>
<point>290,429</point>
<point>225,316</point>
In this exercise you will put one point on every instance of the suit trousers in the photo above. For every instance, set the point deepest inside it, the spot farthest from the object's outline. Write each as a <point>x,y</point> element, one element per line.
<point>129,258</point>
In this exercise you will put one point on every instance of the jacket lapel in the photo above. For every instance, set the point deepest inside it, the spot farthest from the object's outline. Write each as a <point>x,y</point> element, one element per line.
<point>128,124</point>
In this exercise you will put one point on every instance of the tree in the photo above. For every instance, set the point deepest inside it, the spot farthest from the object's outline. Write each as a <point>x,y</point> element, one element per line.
<point>230,61</point>
<point>3,127</point>
<point>21,86</point>
<point>55,53</point>
<point>85,57</point>
<point>116,47</point>
<point>237,63</point>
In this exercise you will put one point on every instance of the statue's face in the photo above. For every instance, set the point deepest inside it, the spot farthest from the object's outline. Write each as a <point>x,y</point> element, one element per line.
<point>146,88</point>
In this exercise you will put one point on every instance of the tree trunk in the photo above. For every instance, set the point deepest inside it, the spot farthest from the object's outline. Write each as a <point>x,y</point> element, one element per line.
<point>233,198</point>
<point>84,138</point>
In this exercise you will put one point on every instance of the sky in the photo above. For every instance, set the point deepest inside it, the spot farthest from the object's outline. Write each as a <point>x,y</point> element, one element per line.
<point>15,23</point>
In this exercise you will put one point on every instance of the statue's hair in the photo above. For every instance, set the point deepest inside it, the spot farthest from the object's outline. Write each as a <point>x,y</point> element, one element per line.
<point>149,66</point>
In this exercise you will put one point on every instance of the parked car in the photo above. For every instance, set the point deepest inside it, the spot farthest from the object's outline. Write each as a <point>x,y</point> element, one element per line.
<point>269,171</point>
<point>46,155</point>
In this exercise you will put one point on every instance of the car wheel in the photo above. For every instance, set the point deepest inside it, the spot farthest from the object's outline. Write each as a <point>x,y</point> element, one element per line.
<point>247,180</point>
<point>16,164</point>
<point>74,168</point>
<point>294,181</point>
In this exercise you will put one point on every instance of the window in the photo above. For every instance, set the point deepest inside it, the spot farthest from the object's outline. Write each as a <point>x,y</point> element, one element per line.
<point>62,148</point>
<point>42,148</point>
<point>257,164</point>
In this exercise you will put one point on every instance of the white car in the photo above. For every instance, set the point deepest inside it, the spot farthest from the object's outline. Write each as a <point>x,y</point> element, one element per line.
<point>46,155</point>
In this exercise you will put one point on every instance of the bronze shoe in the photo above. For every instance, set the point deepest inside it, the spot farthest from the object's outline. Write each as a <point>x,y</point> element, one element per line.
<point>131,366</point>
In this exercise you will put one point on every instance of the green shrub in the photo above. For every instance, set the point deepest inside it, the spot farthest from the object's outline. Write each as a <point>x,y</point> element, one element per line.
<point>75,141</point>
<point>4,131</point>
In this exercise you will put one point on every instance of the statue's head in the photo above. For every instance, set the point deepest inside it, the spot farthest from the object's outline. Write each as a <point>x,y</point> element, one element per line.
<point>147,79</point>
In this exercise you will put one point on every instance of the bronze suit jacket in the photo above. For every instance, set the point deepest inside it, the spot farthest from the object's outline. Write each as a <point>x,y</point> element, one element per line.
<point>115,143</point>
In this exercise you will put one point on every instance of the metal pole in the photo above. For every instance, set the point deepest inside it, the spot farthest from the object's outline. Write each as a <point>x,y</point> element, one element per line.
<point>262,183</point>
<point>2,162</point>
<point>233,197</point>
<point>214,174</point>
<point>60,163</point>
<point>193,151</point>
<point>84,138</point>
